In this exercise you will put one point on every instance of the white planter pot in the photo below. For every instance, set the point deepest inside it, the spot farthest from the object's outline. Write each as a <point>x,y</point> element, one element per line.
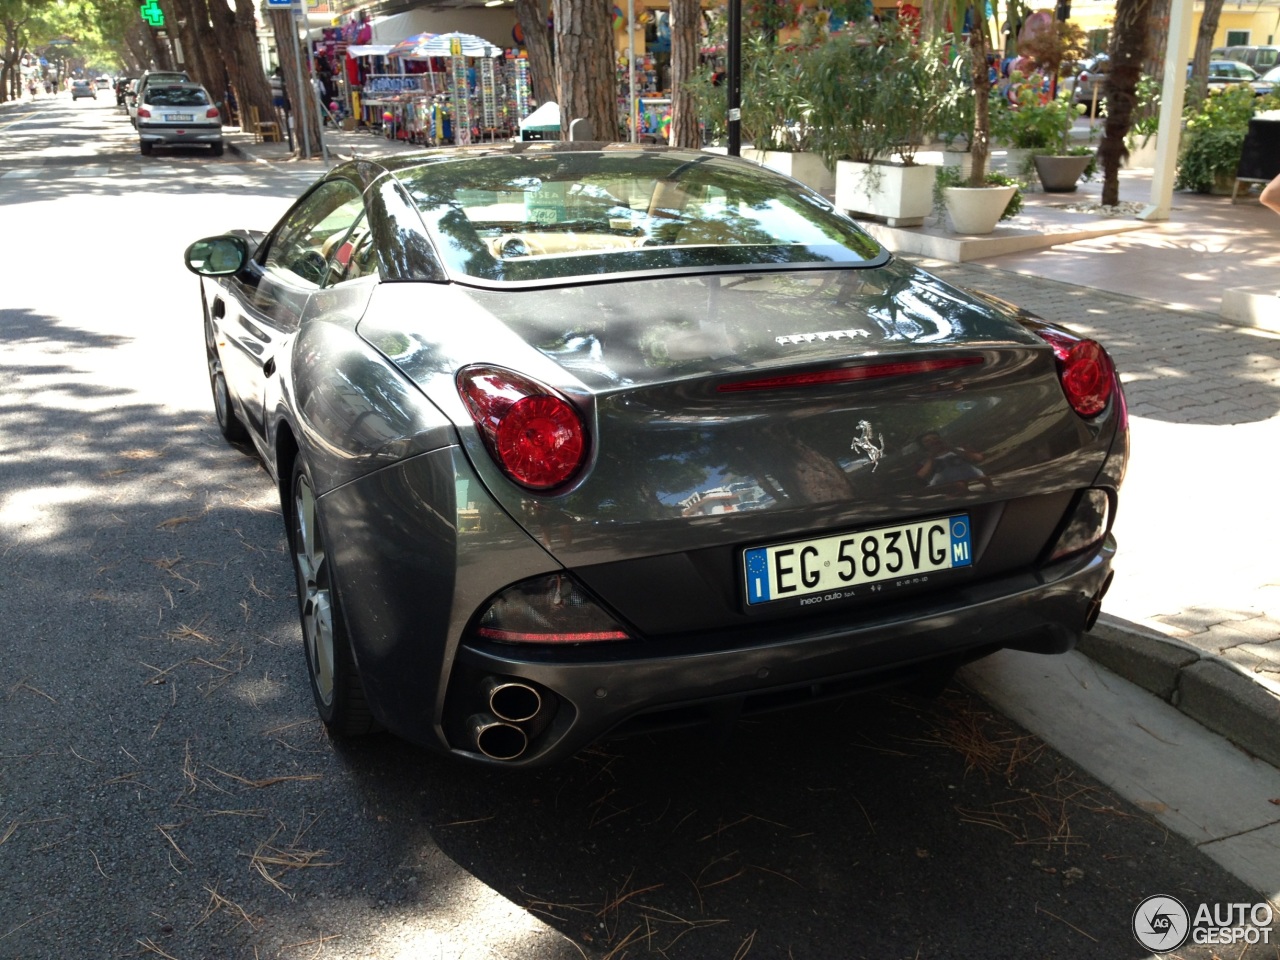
<point>808,168</point>
<point>956,158</point>
<point>1013,161</point>
<point>900,196</point>
<point>976,209</point>
<point>1142,152</point>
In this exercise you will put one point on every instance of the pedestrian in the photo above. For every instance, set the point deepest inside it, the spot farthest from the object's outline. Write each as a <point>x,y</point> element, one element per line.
<point>1270,196</point>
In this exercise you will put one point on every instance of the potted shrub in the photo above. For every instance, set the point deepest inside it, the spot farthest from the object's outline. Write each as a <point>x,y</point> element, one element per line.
<point>775,112</point>
<point>875,93</point>
<point>975,53</point>
<point>1041,124</point>
<point>775,125</point>
<point>977,210</point>
<point>1214,140</point>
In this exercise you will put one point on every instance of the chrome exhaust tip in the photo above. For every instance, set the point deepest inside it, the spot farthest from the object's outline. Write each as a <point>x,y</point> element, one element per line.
<point>511,700</point>
<point>497,739</point>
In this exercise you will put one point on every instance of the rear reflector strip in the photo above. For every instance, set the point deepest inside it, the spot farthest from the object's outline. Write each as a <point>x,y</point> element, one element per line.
<point>519,636</point>
<point>874,371</point>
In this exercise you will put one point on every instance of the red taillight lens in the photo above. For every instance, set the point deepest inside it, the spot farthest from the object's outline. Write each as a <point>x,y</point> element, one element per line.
<point>1085,371</point>
<point>535,435</point>
<point>144,113</point>
<point>1084,78</point>
<point>212,113</point>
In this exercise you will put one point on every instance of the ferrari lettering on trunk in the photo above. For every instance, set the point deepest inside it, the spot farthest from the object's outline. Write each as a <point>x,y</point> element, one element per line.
<point>834,564</point>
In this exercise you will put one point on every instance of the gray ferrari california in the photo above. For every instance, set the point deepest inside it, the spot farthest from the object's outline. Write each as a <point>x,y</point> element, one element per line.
<point>577,440</point>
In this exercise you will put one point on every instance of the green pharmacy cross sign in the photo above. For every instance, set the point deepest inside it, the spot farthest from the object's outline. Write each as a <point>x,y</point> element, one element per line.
<point>152,13</point>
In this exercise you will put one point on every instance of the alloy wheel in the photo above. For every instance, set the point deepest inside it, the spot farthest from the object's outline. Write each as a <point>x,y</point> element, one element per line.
<point>314,592</point>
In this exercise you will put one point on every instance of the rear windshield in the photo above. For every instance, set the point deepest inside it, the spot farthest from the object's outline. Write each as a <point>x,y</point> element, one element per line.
<point>520,218</point>
<point>176,96</point>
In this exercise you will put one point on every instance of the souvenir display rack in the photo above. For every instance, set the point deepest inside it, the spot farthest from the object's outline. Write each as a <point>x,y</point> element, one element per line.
<point>426,107</point>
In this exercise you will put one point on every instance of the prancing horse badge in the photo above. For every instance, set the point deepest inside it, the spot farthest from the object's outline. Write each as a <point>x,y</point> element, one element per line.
<point>865,443</point>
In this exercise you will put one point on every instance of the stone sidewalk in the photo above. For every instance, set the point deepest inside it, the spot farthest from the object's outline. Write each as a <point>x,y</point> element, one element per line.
<point>1194,612</point>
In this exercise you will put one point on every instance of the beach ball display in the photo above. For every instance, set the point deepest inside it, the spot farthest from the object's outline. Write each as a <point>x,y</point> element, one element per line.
<point>388,116</point>
<point>619,21</point>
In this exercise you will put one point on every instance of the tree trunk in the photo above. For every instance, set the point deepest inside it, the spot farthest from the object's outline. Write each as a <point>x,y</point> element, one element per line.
<point>1128,53</point>
<point>686,30</point>
<point>135,48</point>
<point>179,21</point>
<point>238,35</point>
<point>584,60</point>
<point>980,145</point>
<point>306,131</point>
<point>161,56</point>
<point>1158,24</point>
<point>1198,85</point>
<point>216,48</point>
<point>532,16</point>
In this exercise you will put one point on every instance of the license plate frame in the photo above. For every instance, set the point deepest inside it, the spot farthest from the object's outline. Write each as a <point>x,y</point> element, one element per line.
<point>179,117</point>
<point>835,566</point>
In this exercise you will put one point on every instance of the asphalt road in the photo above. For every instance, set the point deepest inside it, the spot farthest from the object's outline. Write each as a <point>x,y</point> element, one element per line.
<point>165,787</point>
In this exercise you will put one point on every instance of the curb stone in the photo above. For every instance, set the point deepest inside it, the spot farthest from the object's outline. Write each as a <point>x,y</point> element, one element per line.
<point>1213,692</point>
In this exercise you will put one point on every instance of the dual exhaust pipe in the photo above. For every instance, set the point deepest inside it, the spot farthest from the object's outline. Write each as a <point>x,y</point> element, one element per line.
<point>516,711</point>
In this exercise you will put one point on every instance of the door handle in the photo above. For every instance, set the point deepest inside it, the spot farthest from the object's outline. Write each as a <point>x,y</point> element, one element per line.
<point>269,367</point>
<point>219,308</point>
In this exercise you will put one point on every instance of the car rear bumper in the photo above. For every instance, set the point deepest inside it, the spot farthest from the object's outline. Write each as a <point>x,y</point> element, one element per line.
<point>159,133</point>
<point>633,688</point>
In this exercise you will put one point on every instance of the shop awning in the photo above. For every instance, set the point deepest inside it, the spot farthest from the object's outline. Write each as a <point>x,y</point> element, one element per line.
<point>545,118</point>
<point>452,44</point>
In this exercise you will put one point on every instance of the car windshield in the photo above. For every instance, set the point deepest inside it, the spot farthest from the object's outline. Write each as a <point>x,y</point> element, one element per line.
<point>537,217</point>
<point>176,96</point>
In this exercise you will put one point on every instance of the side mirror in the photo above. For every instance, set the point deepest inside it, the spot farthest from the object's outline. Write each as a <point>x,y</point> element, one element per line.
<point>217,256</point>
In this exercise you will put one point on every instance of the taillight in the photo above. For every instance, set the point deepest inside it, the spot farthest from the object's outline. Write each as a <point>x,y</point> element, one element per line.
<point>535,435</point>
<point>549,609</point>
<point>1084,78</point>
<point>212,113</point>
<point>144,113</point>
<point>1085,371</point>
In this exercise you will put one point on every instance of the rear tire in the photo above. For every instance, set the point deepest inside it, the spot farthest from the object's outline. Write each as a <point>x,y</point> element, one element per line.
<point>145,147</point>
<point>335,681</point>
<point>216,149</point>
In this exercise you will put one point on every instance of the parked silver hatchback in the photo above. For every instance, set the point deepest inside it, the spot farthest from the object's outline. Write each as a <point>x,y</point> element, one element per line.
<point>171,114</point>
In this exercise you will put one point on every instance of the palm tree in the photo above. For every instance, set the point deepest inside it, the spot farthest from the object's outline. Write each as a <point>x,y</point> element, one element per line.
<point>1129,43</point>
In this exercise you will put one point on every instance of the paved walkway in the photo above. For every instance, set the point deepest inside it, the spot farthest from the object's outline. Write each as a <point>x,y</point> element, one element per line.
<point>1194,612</point>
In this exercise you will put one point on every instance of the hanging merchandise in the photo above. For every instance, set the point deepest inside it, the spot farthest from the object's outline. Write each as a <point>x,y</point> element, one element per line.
<point>522,91</point>
<point>461,100</point>
<point>488,95</point>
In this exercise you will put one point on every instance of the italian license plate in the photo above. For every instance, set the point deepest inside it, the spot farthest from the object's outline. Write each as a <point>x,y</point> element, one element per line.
<point>180,117</point>
<point>835,565</point>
